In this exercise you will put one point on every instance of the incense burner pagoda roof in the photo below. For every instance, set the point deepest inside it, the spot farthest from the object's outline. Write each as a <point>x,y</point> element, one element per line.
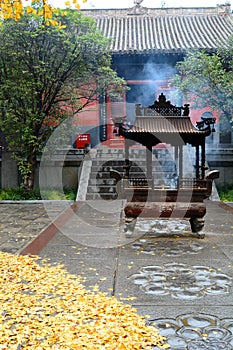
<point>164,30</point>
<point>168,124</point>
<point>173,130</point>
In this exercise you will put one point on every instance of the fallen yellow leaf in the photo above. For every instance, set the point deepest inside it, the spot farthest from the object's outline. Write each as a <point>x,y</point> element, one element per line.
<point>45,307</point>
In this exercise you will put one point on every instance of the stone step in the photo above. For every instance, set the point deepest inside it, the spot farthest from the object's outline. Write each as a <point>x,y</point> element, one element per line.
<point>110,164</point>
<point>111,161</point>
<point>115,157</point>
<point>162,173</point>
<point>102,186</point>
<point>102,189</point>
<point>138,152</point>
<point>103,181</point>
<point>167,167</point>
<point>103,196</point>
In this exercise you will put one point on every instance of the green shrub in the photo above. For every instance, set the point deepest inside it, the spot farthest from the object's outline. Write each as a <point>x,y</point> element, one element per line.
<point>18,194</point>
<point>226,193</point>
<point>55,194</point>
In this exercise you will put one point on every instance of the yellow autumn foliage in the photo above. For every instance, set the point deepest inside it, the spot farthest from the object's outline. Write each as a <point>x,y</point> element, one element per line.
<point>14,9</point>
<point>45,307</point>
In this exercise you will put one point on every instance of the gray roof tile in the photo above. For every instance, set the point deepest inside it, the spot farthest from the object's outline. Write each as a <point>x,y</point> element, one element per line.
<point>168,124</point>
<point>169,31</point>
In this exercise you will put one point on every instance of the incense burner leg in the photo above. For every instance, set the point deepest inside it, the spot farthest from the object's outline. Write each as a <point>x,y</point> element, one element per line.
<point>129,226</point>
<point>197,225</point>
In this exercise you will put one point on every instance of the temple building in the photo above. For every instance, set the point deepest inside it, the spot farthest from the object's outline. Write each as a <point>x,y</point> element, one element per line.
<point>145,47</point>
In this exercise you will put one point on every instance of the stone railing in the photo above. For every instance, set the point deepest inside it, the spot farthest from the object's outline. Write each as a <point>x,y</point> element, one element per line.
<point>184,183</point>
<point>192,183</point>
<point>138,183</point>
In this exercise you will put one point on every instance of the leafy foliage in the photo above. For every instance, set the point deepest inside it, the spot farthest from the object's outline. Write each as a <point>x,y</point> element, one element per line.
<point>19,194</point>
<point>226,193</point>
<point>15,9</point>
<point>206,78</point>
<point>48,74</point>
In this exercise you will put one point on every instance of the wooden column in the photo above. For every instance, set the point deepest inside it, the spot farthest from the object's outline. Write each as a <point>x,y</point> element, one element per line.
<point>127,161</point>
<point>197,162</point>
<point>149,162</point>
<point>176,157</point>
<point>180,162</point>
<point>203,160</point>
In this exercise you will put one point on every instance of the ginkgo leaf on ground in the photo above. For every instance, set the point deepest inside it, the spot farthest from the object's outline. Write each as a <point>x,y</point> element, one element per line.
<point>45,307</point>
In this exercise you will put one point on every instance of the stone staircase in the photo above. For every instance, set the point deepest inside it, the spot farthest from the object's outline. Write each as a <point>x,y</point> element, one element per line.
<point>101,185</point>
<point>96,182</point>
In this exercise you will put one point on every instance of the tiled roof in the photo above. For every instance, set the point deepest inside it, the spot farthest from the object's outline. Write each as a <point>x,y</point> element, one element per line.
<point>168,125</point>
<point>164,31</point>
<point>171,130</point>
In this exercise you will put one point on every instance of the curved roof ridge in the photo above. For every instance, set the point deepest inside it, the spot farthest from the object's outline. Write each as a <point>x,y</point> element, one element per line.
<point>219,10</point>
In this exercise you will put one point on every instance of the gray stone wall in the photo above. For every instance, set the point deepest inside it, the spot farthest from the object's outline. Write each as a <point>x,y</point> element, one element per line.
<point>69,171</point>
<point>9,171</point>
<point>57,173</point>
<point>221,159</point>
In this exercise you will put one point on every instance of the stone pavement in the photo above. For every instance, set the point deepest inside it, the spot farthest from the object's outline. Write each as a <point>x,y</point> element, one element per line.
<point>21,222</point>
<point>181,284</point>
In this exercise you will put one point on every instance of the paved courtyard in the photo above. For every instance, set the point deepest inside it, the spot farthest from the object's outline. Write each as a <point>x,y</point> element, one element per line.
<point>181,284</point>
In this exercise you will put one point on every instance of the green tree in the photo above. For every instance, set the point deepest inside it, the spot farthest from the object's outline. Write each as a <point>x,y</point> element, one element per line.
<point>207,80</point>
<point>46,72</point>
